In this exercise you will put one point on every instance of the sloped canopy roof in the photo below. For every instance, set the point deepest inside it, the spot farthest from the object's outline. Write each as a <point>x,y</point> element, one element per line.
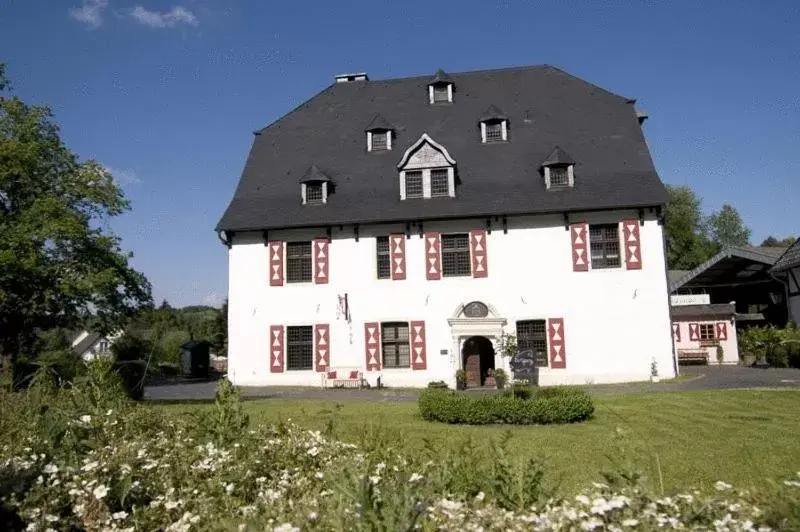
<point>314,174</point>
<point>789,259</point>
<point>721,310</point>
<point>558,156</point>
<point>493,113</point>
<point>731,266</point>
<point>441,77</point>
<point>379,123</point>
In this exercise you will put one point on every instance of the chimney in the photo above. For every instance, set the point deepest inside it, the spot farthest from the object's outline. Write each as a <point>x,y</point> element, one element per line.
<point>346,78</point>
<point>642,116</point>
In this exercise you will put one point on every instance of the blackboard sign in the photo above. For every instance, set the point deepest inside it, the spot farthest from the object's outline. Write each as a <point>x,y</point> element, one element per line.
<point>523,366</point>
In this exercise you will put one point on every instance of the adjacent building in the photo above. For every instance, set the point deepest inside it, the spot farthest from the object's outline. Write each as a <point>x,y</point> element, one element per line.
<point>403,229</point>
<point>787,269</point>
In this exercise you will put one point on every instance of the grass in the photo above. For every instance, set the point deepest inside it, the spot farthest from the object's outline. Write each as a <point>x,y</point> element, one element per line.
<point>683,440</point>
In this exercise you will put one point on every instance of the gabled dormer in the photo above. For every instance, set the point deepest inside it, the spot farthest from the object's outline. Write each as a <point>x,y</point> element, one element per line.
<point>440,89</point>
<point>315,186</point>
<point>379,134</point>
<point>558,170</point>
<point>427,171</point>
<point>494,125</point>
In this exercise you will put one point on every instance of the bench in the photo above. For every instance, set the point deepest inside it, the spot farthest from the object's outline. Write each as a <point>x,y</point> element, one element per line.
<point>692,356</point>
<point>344,378</point>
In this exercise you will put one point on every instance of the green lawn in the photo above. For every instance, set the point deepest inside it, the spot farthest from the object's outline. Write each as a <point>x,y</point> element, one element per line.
<point>741,437</point>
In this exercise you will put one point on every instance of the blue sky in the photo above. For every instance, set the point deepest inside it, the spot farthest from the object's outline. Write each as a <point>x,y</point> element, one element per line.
<point>168,93</point>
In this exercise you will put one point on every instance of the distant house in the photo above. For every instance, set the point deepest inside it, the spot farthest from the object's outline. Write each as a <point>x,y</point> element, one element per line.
<point>89,345</point>
<point>787,269</point>
<point>702,332</point>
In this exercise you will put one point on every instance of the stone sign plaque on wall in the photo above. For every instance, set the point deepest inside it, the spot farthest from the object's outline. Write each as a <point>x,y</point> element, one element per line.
<point>523,366</point>
<point>476,309</point>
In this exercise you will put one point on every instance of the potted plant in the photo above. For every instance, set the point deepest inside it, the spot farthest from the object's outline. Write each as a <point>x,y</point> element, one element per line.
<point>461,380</point>
<point>720,354</point>
<point>654,371</point>
<point>500,378</point>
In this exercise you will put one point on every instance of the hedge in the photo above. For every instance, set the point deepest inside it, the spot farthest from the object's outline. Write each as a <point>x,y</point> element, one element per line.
<point>547,405</point>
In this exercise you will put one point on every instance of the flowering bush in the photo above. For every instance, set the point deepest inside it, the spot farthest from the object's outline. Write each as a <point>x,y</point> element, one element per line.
<point>560,404</point>
<point>82,459</point>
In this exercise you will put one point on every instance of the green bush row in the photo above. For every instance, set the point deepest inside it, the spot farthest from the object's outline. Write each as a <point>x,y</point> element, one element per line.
<point>547,405</point>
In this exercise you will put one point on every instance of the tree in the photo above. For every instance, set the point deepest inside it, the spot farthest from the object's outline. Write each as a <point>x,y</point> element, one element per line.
<point>687,241</point>
<point>727,228</point>
<point>59,267</point>
<point>220,340</point>
<point>771,241</point>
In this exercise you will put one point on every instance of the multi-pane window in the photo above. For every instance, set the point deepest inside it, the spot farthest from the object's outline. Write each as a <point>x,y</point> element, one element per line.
<point>604,241</point>
<point>314,193</point>
<point>707,331</point>
<point>494,131</point>
<point>395,345</point>
<point>379,140</point>
<point>299,347</point>
<point>559,176</point>
<point>298,262</point>
<point>532,335</point>
<point>455,255</point>
<point>440,93</point>
<point>414,184</point>
<point>383,257</point>
<point>440,183</point>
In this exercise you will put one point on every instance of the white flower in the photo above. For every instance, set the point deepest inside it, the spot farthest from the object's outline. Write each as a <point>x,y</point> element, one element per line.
<point>229,488</point>
<point>313,452</point>
<point>86,418</point>
<point>100,491</point>
<point>480,496</point>
<point>51,469</point>
<point>583,499</point>
<point>312,516</point>
<point>630,522</point>
<point>792,483</point>
<point>722,486</point>
<point>286,527</point>
<point>318,475</point>
<point>171,505</point>
<point>119,515</point>
<point>415,477</point>
<point>90,466</point>
<point>375,479</point>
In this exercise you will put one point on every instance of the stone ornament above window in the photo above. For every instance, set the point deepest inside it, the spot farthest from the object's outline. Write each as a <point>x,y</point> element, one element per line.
<point>559,170</point>
<point>476,309</point>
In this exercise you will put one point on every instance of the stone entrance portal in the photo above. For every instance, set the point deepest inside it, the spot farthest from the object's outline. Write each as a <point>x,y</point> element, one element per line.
<point>478,359</point>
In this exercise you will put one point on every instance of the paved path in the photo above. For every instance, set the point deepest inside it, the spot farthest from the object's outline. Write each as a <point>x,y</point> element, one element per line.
<point>706,378</point>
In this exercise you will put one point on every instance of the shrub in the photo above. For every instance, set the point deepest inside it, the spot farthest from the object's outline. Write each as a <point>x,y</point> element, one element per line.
<point>130,347</point>
<point>549,405</point>
<point>521,390</point>
<point>132,374</point>
<point>500,378</point>
<point>438,385</point>
<point>461,379</point>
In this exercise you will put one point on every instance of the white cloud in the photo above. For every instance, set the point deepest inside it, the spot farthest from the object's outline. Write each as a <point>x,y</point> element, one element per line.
<point>168,19</point>
<point>123,177</point>
<point>213,299</point>
<point>90,12</point>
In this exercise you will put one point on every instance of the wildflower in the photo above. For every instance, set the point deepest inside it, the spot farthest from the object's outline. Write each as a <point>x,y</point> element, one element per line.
<point>51,469</point>
<point>118,516</point>
<point>792,483</point>
<point>480,496</point>
<point>313,451</point>
<point>722,486</point>
<point>583,499</point>
<point>229,488</point>
<point>286,527</point>
<point>312,516</point>
<point>100,491</point>
<point>171,505</point>
<point>318,475</point>
<point>415,477</point>
<point>630,522</point>
<point>375,479</point>
<point>86,419</point>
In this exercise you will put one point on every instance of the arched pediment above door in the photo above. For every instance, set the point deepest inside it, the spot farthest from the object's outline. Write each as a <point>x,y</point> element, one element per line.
<point>476,310</point>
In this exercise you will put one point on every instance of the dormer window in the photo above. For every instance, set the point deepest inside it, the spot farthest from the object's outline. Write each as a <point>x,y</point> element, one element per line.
<point>315,186</point>
<point>427,171</point>
<point>379,134</point>
<point>440,89</point>
<point>494,125</point>
<point>558,170</point>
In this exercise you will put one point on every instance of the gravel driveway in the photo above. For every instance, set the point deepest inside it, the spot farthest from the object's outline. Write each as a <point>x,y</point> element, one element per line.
<point>706,378</point>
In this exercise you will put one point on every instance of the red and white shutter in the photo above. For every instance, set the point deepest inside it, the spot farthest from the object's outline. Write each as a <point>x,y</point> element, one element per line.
<point>433,256</point>
<point>397,251</point>
<point>558,346</point>
<point>419,357</point>
<point>372,345</point>
<point>722,330</point>
<point>322,347</point>
<point>276,349</point>
<point>276,263</point>
<point>633,249</point>
<point>477,248</point>
<point>676,331</point>
<point>694,331</point>
<point>580,247</point>
<point>320,250</point>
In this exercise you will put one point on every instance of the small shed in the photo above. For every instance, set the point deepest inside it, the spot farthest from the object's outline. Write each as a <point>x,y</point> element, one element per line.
<point>195,360</point>
<point>702,333</point>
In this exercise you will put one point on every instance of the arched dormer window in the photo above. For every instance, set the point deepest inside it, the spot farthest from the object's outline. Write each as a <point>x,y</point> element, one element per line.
<point>427,171</point>
<point>440,89</point>
<point>379,134</point>
<point>494,125</point>
<point>558,170</point>
<point>315,186</point>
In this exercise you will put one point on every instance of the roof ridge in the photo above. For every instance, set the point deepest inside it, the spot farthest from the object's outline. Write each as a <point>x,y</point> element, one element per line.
<point>465,72</point>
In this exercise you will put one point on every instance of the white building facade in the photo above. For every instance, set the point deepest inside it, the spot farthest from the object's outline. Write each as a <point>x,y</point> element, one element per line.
<point>403,256</point>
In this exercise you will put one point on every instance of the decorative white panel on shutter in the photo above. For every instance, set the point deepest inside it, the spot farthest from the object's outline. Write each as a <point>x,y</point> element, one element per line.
<point>633,248</point>
<point>397,252</point>
<point>322,346</point>
<point>419,357</point>
<point>321,260</point>
<point>275,263</point>
<point>433,256</point>
<point>558,344</point>
<point>478,251</point>
<point>276,349</point>
<point>372,345</point>
<point>579,234</point>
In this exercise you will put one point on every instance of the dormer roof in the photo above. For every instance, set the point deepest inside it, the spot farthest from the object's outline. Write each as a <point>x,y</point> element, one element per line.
<point>558,156</point>
<point>493,113</point>
<point>314,175</point>
<point>379,123</point>
<point>441,77</point>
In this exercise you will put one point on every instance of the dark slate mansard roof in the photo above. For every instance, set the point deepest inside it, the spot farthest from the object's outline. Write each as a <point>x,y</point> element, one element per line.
<point>545,106</point>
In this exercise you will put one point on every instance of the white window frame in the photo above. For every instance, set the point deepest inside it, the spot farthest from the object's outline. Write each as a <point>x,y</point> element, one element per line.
<point>449,93</point>
<point>570,177</point>
<point>388,140</point>
<point>503,131</point>
<point>324,192</point>
<point>426,182</point>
